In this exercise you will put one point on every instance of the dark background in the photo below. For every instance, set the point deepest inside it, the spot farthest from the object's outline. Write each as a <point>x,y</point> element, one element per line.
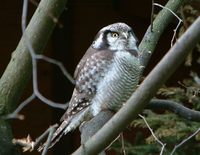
<point>80,22</point>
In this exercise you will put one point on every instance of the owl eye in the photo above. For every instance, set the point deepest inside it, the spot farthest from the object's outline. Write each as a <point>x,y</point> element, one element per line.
<point>114,34</point>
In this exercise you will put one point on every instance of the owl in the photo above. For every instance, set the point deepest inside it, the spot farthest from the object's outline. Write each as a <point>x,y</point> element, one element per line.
<point>105,77</point>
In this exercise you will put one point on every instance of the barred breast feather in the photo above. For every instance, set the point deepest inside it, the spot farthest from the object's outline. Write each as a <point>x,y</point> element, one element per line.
<point>118,84</point>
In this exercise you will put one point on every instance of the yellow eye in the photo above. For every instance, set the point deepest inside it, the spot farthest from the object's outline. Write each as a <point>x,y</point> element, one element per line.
<point>114,34</point>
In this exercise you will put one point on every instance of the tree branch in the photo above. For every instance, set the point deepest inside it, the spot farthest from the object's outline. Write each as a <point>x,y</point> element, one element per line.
<point>144,93</point>
<point>18,71</point>
<point>184,141</point>
<point>155,137</point>
<point>88,129</point>
<point>177,108</point>
<point>151,37</point>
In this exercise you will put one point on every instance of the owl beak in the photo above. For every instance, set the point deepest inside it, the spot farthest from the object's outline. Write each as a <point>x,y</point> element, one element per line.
<point>125,36</point>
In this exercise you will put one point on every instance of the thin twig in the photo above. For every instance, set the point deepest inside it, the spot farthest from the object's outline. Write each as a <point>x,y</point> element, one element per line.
<point>175,31</point>
<point>179,21</point>
<point>57,63</point>
<point>123,145</point>
<point>184,141</point>
<point>49,102</point>
<point>16,114</point>
<point>34,58</point>
<point>113,142</point>
<point>152,133</point>
<point>51,131</point>
<point>168,10</point>
<point>41,137</point>
<point>29,145</point>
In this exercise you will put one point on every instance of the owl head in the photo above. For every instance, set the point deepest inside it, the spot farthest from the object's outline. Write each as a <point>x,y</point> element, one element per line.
<point>117,36</point>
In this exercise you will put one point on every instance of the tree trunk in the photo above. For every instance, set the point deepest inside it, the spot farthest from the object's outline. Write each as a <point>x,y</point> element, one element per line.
<point>18,71</point>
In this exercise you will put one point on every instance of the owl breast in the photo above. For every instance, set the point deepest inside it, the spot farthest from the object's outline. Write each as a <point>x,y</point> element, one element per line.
<point>118,84</point>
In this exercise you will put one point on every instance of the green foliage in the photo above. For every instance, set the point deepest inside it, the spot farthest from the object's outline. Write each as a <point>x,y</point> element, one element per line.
<point>168,127</point>
<point>187,93</point>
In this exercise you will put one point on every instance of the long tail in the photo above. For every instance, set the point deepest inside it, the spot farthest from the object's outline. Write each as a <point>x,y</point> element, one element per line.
<point>57,135</point>
<point>66,126</point>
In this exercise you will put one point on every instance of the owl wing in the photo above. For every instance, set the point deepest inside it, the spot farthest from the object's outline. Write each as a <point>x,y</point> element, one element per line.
<point>90,70</point>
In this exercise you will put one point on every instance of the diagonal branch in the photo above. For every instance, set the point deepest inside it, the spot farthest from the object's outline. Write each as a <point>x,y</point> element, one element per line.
<point>160,23</point>
<point>175,107</point>
<point>18,72</point>
<point>184,141</point>
<point>179,19</point>
<point>144,93</point>
<point>155,137</point>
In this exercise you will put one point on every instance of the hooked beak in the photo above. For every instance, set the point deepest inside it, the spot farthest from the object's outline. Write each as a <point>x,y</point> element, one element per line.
<point>125,36</point>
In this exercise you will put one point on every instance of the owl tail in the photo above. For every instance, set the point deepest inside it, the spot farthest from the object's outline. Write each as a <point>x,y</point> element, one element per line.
<point>56,136</point>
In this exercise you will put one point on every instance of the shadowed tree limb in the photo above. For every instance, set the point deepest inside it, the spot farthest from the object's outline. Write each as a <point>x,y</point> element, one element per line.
<point>18,71</point>
<point>144,93</point>
<point>175,107</point>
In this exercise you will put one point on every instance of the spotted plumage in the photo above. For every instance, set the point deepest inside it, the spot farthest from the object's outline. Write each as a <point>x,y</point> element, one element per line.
<point>105,77</point>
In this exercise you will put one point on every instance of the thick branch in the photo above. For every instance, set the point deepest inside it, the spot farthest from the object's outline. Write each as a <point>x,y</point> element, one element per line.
<point>177,108</point>
<point>160,23</point>
<point>18,71</point>
<point>144,93</point>
<point>88,129</point>
<point>6,147</point>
